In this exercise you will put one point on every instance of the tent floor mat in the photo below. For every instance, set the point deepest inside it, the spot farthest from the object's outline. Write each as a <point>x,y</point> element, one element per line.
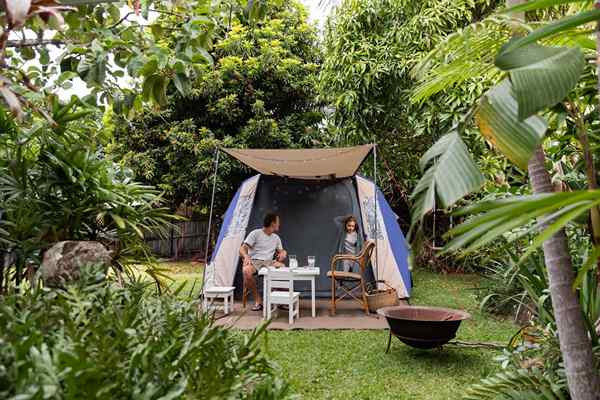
<point>349,315</point>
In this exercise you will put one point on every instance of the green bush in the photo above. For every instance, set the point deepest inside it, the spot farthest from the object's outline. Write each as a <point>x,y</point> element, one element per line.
<point>532,365</point>
<point>56,184</point>
<point>508,285</point>
<point>102,341</point>
<point>532,368</point>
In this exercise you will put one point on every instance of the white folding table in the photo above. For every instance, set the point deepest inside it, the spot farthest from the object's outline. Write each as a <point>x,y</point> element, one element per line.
<point>300,274</point>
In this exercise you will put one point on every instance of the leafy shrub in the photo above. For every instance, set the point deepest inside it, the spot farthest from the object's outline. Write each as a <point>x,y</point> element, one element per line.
<point>260,93</point>
<point>102,341</point>
<point>532,369</point>
<point>505,279</point>
<point>55,184</point>
<point>511,284</point>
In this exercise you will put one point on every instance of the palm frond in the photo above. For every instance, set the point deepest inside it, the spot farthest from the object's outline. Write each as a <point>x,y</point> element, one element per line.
<point>497,218</point>
<point>554,28</point>
<point>541,76</point>
<point>533,5</point>
<point>468,53</point>
<point>452,174</point>
<point>498,121</point>
<point>520,384</point>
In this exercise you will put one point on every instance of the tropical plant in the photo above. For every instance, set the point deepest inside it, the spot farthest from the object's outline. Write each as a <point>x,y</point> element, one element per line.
<point>95,339</point>
<point>260,93</point>
<point>448,156</point>
<point>532,365</point>
<point>502,291</point>
<point>56,185</point>
<point>518,281</point>
<point>507,117</point>
<point>531,369</point>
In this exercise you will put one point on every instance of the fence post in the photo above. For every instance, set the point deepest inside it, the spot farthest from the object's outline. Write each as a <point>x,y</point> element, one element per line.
<point>171,243</point>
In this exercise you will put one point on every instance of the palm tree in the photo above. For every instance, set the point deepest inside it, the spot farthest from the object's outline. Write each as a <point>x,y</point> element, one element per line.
<point>507,116</point>
<point>575,345</point>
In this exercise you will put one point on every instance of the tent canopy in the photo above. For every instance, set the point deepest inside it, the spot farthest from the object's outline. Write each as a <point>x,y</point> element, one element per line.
<point>340,162</point>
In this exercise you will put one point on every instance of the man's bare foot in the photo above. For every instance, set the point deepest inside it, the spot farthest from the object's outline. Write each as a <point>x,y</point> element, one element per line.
<point>257,307</point>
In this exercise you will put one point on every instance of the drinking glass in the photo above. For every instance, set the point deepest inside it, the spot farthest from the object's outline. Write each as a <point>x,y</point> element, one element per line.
<point>311,261</point>
<point>293,261</point>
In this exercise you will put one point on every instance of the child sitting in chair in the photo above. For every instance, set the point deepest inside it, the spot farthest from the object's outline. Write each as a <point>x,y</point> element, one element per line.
<point>349,242</point>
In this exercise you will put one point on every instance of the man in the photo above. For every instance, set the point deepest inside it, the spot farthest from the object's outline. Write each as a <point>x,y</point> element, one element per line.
<point>258,250</point>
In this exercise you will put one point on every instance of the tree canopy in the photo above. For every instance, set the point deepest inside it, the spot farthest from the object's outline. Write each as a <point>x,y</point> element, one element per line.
<point>261,92</point>
<point>371,48</point>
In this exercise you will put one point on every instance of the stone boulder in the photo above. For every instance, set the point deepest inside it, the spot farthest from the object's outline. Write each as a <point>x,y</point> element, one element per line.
<point>64,261</point>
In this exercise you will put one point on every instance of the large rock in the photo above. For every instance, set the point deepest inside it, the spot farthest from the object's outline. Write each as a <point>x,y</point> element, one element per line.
<point>64,261</point>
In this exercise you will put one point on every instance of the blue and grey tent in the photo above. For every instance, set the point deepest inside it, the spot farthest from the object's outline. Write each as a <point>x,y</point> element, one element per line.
<point>309,189</point>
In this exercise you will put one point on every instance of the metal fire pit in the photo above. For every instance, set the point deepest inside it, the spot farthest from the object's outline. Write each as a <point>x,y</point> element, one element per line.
<point>422,327</point>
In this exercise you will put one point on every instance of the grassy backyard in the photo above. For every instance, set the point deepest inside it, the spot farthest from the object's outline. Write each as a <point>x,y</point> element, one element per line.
<point>353,365</point>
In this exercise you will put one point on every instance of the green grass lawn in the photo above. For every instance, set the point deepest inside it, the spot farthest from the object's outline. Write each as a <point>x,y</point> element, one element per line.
<point>353,364</point>
<point>188,274</point>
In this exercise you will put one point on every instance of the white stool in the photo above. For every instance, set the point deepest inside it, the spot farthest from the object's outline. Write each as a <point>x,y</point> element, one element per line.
<point>219,292</point>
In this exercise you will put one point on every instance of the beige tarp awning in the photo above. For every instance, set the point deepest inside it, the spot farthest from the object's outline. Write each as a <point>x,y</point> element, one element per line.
<point>339,162</point>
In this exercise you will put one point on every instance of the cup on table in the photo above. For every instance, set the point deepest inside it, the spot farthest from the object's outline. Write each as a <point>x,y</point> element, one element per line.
<point>311,261</point>
<point>293,261</point>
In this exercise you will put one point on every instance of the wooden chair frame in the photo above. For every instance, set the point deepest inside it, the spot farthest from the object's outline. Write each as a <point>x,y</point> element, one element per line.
<point>362,259</point>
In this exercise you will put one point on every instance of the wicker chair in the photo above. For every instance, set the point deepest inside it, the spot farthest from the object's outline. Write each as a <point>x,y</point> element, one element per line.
<point>356,282</point>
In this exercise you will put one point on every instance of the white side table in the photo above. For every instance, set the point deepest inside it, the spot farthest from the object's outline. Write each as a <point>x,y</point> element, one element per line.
<point>218,292</point>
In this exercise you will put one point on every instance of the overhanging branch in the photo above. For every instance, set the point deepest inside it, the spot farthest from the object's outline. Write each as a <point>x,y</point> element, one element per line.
<point>34,42</point>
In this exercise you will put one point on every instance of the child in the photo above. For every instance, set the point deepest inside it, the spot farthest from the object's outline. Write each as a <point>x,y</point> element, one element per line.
<point>350,242</point>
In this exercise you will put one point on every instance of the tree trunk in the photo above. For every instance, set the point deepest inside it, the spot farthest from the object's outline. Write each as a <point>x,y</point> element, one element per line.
<point>576,348</point>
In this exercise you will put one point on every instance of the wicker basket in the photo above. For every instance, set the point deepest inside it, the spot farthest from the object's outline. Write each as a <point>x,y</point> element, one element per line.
<point>378,298</point>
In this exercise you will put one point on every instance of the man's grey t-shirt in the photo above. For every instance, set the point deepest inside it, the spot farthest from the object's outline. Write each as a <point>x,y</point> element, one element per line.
<point>262,246</point>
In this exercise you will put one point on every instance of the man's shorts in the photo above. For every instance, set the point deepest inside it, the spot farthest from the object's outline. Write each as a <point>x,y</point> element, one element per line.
<point>258,264</point>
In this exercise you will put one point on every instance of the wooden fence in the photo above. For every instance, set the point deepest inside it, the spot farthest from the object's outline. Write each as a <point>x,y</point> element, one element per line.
<point>186,240</point>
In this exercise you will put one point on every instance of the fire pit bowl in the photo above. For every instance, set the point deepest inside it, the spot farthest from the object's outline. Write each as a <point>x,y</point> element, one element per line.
<point>422,327</point>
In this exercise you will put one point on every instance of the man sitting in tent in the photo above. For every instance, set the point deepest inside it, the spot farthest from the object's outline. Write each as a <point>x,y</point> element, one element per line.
<point>258,250</point>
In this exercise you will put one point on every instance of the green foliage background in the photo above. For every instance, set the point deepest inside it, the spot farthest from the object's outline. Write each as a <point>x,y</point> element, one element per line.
<point>261,93</point>
<point>371,48</point>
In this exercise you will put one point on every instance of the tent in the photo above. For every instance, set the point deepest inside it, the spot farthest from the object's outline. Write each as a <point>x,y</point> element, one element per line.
<point>308,189</point>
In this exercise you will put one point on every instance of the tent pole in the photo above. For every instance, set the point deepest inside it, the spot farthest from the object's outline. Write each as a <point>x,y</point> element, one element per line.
<point>376,219</point>
<point>212,203</point>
